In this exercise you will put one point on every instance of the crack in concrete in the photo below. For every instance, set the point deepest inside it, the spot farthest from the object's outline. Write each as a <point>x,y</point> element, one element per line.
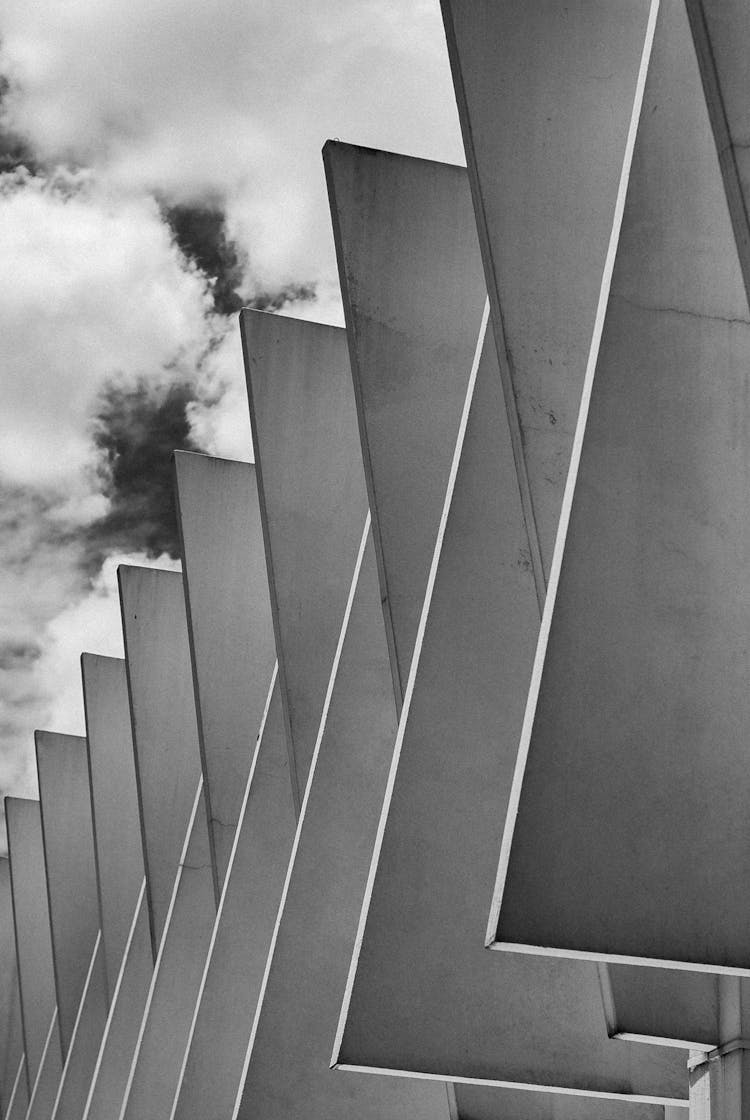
<point>679,311</point>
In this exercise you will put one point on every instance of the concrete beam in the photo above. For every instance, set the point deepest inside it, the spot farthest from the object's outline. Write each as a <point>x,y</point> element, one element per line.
<point>553,83</point>
<point>645,667</point>
<point>287,1065</point>
<point>235,964</point>
<point>312,493</point>
<point>32,932</point>
<point>230,627</point>
<point>397,222</point>
<point>671,1003</point>
<point>418,963</point>
<point>11,1035</point>
<point>302,407</point>
<point>165,737</point>
<point>126,942</point>
<point>88,1028</point>
<point>132,985</point>
<point>164,723</point>
<point>18,1102</point>
<point>114,801</point>
<point>233,661</point>
<point>65,801</point>
<point>67,828</point>
<point>305,430</point>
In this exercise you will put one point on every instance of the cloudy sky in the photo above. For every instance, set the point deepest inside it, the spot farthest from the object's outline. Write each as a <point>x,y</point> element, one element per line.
<point>159,167</point>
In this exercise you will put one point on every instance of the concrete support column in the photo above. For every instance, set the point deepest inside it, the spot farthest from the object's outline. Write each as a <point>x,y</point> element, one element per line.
<point>720,1078</point>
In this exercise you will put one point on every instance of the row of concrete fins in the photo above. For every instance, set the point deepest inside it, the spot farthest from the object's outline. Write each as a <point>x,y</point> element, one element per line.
<point>504,506</point>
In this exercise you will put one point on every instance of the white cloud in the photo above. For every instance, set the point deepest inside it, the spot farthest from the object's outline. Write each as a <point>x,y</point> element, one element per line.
<point>184,100</point>
<point>49,619</point>
<point>219,418</point>
<point>91,286</point>
<point>238,97</point>
<point>91,625</point>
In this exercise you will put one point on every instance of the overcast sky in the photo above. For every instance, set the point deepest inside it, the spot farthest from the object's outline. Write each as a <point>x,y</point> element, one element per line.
<point>159,167</point>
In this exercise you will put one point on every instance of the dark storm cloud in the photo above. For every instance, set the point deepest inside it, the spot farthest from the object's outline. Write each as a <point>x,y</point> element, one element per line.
<point>15,152</point>
<point>199,231</point>
<point>275,300</point>
<point>136,429</point>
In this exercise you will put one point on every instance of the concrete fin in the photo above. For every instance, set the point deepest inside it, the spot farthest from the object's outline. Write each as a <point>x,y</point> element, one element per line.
<point>235,965</point>
<point>424,996</point>
<point>553,84</point>
<point>230,626</point>
<point>11,1035</point>
<point>65,800</point>
<point>163,1035</point>
<point>32,930</point>
<point>165,729</point>
<point>306,972</point>
<point>645,667</point>
<point>114,800</point>
<point>413,288</point>
<point>313,503</point>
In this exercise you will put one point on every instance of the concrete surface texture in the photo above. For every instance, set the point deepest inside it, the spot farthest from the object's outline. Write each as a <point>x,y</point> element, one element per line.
<point>532,1022</point>
<point>553,84</point>
<point>32,932</point>
<point>164,723</point>
<point>313,504</point>
<point>67,830</point>
<point>11,1031</point>
<point>646,664</point>
<point>671,1003</point>
<point>114,800</point>
<point>411,370</point>
<point>120,1037</point>
<point>480,597</point>
<point>280,356</point>
<point>127,951</point>
<point>174,827</point>
<point>68,837</point>
<point>230,628</point>
<point>233,972</point>
<point>413,289</point>
<point>292,377</point>
<point>306,973</point>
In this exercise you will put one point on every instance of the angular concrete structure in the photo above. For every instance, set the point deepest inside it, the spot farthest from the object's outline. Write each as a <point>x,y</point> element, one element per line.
<point>165,728</point>
<point>165,736</point>
<point>411,371</point>
<point>530,1022</point>
<point>233,973</point>
<point>32,932</point>
<point>649,615</point>
<point>65,802</point>
<point>11,1031</point>
<point>309,559</point>
<point>114,800</point>
<point>295,1020</point>
<point>306,972</point>
<point>555,84</point>
<point>542,382</point>
<point>66,813</point>
<point>244,752</point>
<point>126,942</point>
<point>399,222</point>
<point>230,628</point>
